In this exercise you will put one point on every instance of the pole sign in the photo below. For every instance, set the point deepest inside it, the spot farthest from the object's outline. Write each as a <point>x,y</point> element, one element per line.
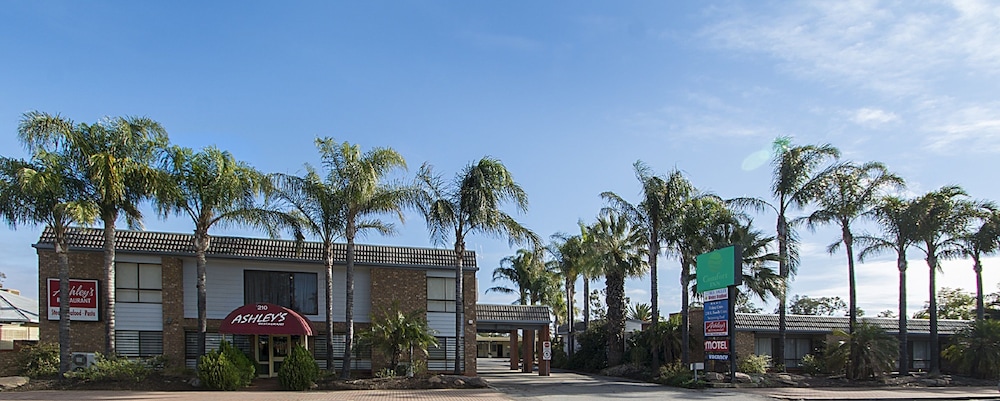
<point>719,273</point>
<point>82,300</point>
<point>546,350</point>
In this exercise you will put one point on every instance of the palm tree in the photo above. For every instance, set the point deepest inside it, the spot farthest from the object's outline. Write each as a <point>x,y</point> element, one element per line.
<point>983,241</point>
<point>358,181</point>
<point>394,332</point>
<point>621,246</point>
<point>896,217</point>
<point>317,205</point>
<point>849,193</point>
<point>795,185</point>
<point>590,269</point>
<point>759,277</point>
<point>571,257</point>
<point>941,217</point>
<point>116,157</point>
<point>214,189</point>
<point>468,205</point>
<point>520,270</point>
<point>661,199</point>
<point>48,190</point>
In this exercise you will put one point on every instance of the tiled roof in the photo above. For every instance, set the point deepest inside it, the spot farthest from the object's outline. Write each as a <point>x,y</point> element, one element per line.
<point>258,248</point>
<point>17,309</point>
<point>522,314</point>
<point>825,324</point>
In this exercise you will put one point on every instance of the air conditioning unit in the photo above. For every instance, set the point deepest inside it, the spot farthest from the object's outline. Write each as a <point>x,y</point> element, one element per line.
<point>82,360</point>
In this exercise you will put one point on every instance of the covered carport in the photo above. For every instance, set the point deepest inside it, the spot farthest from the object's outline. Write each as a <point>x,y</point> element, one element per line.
<point>529,319</point>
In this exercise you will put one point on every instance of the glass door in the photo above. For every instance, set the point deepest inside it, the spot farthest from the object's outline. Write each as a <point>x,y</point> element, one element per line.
<point>271,352</point>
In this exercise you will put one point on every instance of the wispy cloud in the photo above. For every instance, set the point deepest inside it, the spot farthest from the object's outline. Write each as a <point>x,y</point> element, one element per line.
<point>894,48</point>
<point>873,118</point>
<point>972,128</point>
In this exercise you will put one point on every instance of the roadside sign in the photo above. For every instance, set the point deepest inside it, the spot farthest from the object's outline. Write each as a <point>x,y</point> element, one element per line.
<point>717,310</point>
<point>716,294</point>
<point>718,328</point>
<point>546,350</point>
<point>716,345</point>
<point>718,357</point>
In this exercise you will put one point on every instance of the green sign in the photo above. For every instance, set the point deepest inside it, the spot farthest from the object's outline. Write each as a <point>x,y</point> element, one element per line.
<point>720,268</point>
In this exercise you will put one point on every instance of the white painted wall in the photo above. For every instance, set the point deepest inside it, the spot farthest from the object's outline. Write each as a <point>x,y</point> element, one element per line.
<point>224,283</point>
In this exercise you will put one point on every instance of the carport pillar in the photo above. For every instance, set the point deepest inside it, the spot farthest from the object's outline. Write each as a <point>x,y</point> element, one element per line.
<point>527,351</point>
<point>513,353</point>
<point>544,365</point>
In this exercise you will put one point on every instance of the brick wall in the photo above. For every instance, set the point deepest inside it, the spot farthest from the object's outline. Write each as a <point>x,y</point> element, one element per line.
<point>84,336</point>
<point>407,288</point>
<point>173,311</point>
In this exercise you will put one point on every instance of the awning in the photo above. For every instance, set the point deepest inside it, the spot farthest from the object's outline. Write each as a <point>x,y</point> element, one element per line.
<point>262,318</point>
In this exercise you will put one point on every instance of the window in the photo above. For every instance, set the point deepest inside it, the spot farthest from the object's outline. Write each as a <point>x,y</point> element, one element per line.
<point>442,357</point>
<point>142,344</point>
<point>440,294</point>
<point>138,282</point>
<point>795,349</point>
<point>291,290</point>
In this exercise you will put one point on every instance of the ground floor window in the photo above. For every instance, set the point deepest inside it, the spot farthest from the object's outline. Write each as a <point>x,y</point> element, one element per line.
<point>212,342</point>
<point>921,354</point>
<point>442,357</point>
<point>795,349</point>
<point>361,358</point>
<point>138,344</point>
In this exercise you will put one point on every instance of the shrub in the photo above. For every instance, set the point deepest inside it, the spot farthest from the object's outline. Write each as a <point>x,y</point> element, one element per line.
<point>384,373</point>
<point>977,349</point>
<point>755,363</point>
<point>40,360</point>
<point>592,355</point>
<point>677,375</point>
<point>813,364</point>
<point>227,368</point>
<point>299,370</point>
<point>113,368</point>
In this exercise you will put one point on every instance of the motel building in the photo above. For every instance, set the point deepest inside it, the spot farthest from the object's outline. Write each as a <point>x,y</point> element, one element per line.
<point>264,296</point>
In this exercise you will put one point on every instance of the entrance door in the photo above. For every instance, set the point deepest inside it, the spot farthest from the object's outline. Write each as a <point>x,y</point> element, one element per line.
<point>270,353</point>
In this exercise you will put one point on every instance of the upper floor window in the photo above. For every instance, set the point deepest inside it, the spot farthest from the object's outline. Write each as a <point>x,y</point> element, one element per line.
<point>440,294</point>
<point>138,282</point>
<point>297,291</point>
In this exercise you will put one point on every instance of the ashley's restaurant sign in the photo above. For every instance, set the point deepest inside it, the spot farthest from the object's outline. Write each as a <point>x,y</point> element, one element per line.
<point>264,318</point>
<point>82,300</point>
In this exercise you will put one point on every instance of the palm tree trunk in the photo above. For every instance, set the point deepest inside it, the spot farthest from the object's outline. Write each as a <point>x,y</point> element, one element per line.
<point>459,304</point>
<point>783,269</point>
<point>201,243</point>
<point>570,335</point>
<point>932,264</point>
<point>586,302</point>
<point>654,250</point>
<point>110,243</point>
<point>904,355</point>
<point>64,333</point>
<point>853,301</point>
<point>328,265</point>
<point>345,372</point>
<point>615,288</point>
<point>685,309</point>
<point>978,268</point>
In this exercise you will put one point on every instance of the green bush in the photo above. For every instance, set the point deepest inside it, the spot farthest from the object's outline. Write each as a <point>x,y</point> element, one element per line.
<point>813,364</point>
<point>755,363</point>
<point>40,360</point>
<point>299,370</point>
<point>876,350</point>
<point>977,349</point>
<point>593,353</point>
<point>113,369</point>
<point>227,368</point>
<point>677,375</point>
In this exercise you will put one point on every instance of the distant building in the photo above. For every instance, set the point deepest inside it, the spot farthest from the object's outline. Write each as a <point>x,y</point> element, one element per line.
<point>18,319</point>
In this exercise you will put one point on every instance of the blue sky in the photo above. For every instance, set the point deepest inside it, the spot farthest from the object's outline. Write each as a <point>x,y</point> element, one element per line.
<point>567,94</point>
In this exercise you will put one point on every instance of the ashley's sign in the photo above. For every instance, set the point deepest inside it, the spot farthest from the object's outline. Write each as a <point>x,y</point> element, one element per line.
<point>261,318</point>
<point>264,318</point>
<point>82,300</point>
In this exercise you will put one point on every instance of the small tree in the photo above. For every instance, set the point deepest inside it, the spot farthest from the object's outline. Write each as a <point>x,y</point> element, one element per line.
<point>299,370</point>
<point>393,332</point>
<point>977,349</point>
<point>875,350</point>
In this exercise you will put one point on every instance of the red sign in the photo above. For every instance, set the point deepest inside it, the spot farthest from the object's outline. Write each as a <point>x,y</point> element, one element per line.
<point>717,346</point>
<point>265,319</point>
<point>718,328</point>
<point>82,299</point>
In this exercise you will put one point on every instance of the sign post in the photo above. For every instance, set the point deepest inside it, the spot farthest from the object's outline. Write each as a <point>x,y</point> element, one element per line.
<point>719,272</point>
